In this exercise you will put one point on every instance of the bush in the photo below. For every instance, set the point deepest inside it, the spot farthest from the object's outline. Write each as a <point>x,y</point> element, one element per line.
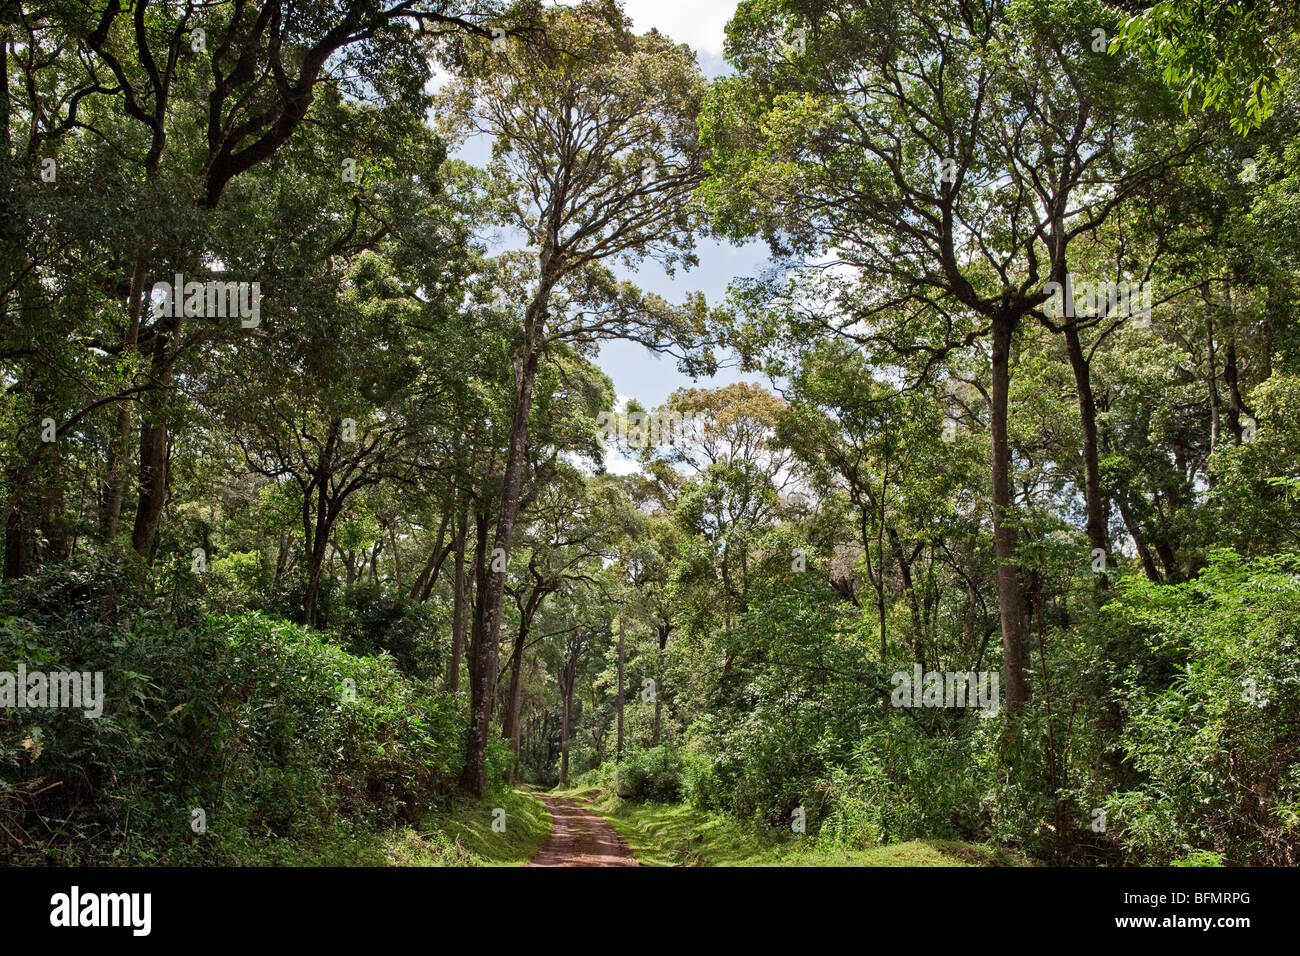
<point>654,774</point>
<point>601,777</point>
<point>1214,746</point>
<point>371,622</point>
<point>765,761</point>
<point>776,732</point>
<point>266,727</point>
<point>904,784</point>
<point>236,582</point>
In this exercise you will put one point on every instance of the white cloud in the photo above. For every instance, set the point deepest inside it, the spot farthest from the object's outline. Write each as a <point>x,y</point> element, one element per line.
<point>617,463</point>
<point>700,23</point>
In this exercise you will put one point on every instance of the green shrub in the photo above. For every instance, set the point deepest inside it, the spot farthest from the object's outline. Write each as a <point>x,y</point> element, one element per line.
<point>654,774</point>
<point>269,729</point>
<point>236,582</point>
<point>775,733</point>
<point>368,621</point>
<point>601,777</point>
<point>1214,746</point>
<point>904,783</point>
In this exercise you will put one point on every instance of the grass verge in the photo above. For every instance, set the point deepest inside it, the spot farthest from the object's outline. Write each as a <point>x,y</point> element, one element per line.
<point>662,834</point>
<point>465,837</point>
<point>460,836</point>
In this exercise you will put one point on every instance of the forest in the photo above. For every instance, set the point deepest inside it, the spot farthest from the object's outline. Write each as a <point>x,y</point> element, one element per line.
<point>968,532</point>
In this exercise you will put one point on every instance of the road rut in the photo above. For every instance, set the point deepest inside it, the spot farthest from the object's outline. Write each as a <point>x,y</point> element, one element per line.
<point>580,838</point>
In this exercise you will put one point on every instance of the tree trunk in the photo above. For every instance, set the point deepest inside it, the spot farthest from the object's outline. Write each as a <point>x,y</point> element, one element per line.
<point>543,755</point>
<point>317,542</point>
<point>1139,541</point>
<point>53,517</point>
<point>459,605</point>
<point>349,565</point>
<point>1236,407</point>
<point>428,577</point>
<point>18,550</point>
<point>659,704</point>
<point>1212,383</point>
<point>153,485</point>
<point>473,780</point>
<point>1097,525</point>
<point>1015,655</point>
<point>397,564</point>
<point>486,647</point>
<point>568,680</point>
<point>564,737</point>
<point>905,570</point>
<point>281,556</point>
<point>1168,557</point>
<point>481,525</point>
<point>515,697</point>
<point>119,449</point>
<point>618,753</point>
<point>154,442</point>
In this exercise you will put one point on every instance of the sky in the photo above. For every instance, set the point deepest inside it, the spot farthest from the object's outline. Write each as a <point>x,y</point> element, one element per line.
<point>699,23</point>
<point>636,371</point>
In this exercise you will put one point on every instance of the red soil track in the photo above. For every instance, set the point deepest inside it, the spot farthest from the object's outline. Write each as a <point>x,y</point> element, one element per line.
<point>580,838</point>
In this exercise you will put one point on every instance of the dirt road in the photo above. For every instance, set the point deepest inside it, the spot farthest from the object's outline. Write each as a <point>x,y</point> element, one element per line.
<point>580,838</point>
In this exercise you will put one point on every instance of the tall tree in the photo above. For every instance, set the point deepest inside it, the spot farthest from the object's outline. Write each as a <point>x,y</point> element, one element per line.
<point>595,156</point>
<point>945,156</point>
<point>190,97</point>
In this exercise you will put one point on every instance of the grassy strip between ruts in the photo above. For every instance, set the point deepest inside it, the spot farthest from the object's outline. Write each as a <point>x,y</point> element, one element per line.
<point>662,834</point>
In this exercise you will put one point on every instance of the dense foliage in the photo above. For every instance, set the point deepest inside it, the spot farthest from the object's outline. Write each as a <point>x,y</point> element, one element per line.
<point>1029,415</point>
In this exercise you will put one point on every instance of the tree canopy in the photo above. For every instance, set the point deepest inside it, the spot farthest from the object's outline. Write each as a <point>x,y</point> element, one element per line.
<point>969,514</point>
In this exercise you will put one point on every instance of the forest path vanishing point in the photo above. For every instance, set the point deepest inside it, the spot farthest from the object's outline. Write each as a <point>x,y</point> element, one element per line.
<point>580,838</point>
